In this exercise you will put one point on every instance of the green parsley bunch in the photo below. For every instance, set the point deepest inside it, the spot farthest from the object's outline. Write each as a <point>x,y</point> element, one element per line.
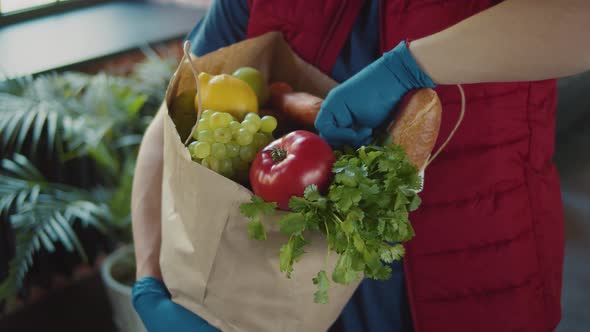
<point>364,216</point>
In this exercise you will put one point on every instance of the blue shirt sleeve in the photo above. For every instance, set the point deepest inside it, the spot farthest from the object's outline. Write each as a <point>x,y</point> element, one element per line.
<point>225,23</point>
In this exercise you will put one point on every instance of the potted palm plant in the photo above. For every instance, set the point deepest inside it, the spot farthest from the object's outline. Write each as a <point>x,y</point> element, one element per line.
<point>68,144</point>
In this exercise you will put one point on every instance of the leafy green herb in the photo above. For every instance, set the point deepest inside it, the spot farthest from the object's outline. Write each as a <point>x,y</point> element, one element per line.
<point>254,211</point>
<point>343,271</point>
<point>256,230</point>
<point>290,253</point>
<point>321,280</point>
<point>390,254</point>
<point>364,216</point>
<point>292,224</point>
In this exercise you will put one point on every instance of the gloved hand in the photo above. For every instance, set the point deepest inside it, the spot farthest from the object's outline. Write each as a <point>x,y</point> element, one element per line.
<point>159,314</point>
<point>352,110</point>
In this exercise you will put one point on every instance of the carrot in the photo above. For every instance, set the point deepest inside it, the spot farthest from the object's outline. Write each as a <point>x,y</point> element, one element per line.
<point>276,90</point>
<point>300,107</point>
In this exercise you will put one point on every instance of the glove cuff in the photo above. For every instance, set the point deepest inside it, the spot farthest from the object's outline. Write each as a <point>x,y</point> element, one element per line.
<point>148,285</point>
<point>400,57</point>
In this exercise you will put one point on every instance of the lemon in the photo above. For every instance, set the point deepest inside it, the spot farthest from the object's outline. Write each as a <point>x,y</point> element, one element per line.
<point>225,93</point>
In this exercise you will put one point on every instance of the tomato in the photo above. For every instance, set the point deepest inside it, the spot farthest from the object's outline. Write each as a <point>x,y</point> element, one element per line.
<point>289,164</point>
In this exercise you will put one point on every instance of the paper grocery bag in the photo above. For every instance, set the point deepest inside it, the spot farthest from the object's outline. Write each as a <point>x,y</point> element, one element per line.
<point>208,262</point>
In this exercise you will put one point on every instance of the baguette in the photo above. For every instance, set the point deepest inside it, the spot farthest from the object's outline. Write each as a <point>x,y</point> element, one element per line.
<point>416,126</point>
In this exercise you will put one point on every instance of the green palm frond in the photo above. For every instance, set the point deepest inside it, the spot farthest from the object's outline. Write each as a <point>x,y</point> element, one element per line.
<point>153,74</point>
<point>119,202</point>
<point>26,120</point>
<point>56,87</point>
<point>73,115</point>
<point>72,139</point>
<point>15,86</point>
<point>41,214</point>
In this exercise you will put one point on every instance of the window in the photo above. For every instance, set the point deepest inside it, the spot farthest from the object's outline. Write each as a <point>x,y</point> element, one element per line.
<point>69,38</point>
<point>11,6</point>
<point>14,11</point>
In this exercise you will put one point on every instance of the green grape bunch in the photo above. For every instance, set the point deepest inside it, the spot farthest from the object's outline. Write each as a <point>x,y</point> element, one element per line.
<point>227,146</point>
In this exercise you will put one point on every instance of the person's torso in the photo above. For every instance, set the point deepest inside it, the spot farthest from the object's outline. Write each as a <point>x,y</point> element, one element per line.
<point>488,248</point>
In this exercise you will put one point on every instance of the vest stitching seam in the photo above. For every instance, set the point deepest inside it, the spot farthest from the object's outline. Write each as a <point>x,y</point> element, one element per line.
<point>490,192</point>
<point>485,98</point>
<point>482,247</point>
<point>534,218</point>
<point>526,282</point>
<point>450,153</point>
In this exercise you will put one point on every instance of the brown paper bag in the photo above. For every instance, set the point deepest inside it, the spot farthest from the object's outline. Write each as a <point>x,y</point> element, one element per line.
<point>209,263</point>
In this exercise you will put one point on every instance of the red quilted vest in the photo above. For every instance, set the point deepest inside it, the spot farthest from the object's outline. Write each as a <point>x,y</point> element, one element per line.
<point>489,242</point>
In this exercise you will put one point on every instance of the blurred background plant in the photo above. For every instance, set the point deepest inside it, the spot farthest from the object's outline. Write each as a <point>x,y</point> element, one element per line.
<point>68,143</point>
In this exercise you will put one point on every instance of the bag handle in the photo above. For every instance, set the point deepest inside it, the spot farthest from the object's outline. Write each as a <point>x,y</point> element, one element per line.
<point>188,57</point>
<point>459,120</point>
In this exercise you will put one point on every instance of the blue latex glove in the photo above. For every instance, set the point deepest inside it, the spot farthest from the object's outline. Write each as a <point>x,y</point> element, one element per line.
<point>159,314</point>
<point>363,102</point>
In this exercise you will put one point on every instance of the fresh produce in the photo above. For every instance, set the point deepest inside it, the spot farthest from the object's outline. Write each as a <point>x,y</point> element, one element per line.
<point>243,136</point>
<point>277,90</point>
<point>225,93</point>
<point>359,200</point>
<point>251,123</point>
<point>200,150</point>
<point>364,216</point>
<point>226,146</point>
<point>219,120</point>
<point>268,124</point>
<point>256,81</point>
<point>300,107</point>
<point>222,135</point>
<point>290,164</point>
<point>284,126</point>
<point>205,135</point>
